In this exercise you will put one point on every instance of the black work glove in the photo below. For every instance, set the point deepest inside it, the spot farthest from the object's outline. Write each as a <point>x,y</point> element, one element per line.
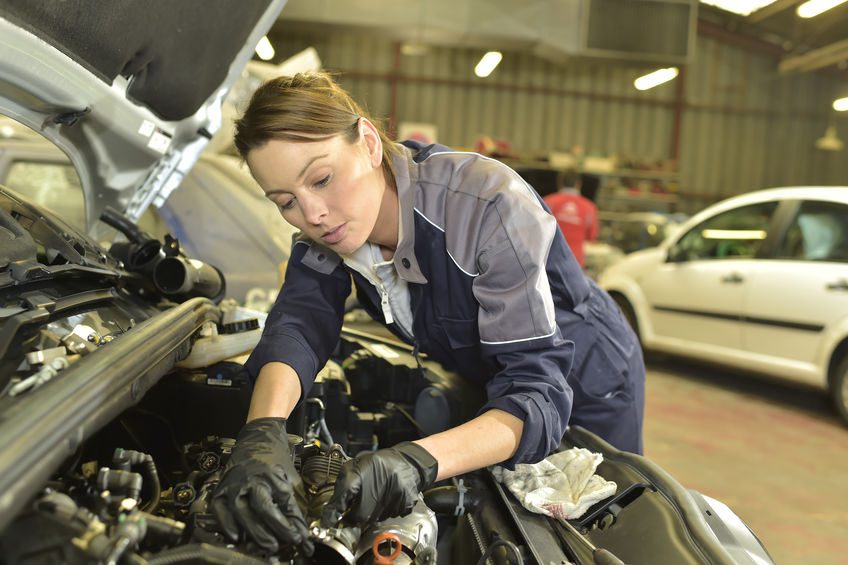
<point>380,484</point>
<point>256,493</point>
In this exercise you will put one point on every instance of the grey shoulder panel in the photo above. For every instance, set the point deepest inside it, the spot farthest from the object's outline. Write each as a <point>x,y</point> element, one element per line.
<point>496,231</point>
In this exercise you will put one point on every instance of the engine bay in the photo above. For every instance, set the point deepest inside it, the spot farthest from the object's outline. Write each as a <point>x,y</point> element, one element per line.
<point>138,491</point>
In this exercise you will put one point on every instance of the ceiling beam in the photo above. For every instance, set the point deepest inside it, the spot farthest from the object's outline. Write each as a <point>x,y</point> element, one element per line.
<point>743,41</point>
<point>771,10</point>
<point>815,59</point>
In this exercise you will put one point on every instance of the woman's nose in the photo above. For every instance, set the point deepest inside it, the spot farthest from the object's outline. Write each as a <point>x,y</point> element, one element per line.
<point>314,209</point>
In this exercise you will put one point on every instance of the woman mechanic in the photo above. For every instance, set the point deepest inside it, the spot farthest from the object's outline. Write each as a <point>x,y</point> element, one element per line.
<point>454,253</point>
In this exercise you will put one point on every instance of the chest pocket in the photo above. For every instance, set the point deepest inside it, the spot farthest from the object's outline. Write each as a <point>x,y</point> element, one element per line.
<point>460,333</point>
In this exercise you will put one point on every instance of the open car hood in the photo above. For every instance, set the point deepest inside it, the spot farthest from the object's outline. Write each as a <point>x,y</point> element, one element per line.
<point>130,90</point>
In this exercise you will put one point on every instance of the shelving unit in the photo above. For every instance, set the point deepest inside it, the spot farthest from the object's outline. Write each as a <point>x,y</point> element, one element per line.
<point>612,194</point>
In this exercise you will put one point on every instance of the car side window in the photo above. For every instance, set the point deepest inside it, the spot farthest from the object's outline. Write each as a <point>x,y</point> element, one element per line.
<point>819,232</point>
<point>735,234</point>
<point>55,186</point>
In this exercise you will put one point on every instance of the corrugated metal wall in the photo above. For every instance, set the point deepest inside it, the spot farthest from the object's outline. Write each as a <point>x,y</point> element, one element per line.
<point>742,126</point>
<point>747,127</point>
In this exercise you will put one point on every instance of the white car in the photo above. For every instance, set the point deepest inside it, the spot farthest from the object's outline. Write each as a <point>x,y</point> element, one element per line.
<point>757,282</point>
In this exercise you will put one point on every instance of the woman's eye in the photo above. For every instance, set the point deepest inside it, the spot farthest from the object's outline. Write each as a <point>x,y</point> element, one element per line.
<point>323,182</point>
<point>286,205</point>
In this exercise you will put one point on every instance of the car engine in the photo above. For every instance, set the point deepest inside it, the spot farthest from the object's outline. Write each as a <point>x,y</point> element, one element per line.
<point>138,490</point>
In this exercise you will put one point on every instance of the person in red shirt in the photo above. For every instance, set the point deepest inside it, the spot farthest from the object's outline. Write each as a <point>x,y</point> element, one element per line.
<point>577,216</point>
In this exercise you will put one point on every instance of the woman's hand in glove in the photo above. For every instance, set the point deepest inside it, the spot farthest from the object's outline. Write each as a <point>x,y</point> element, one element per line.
<point>380,484</point>
<point>256,493</point>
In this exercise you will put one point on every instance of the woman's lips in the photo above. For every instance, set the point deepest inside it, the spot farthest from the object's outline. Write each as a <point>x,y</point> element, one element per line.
<point>336,235</point>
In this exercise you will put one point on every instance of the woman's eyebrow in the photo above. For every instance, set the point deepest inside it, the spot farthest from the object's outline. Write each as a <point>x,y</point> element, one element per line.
<point>308,163</point>
<point>270,193</point>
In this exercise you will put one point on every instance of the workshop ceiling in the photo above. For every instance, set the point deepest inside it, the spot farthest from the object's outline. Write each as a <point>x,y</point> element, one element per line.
<point>806,45</point>
<point>552,28</point>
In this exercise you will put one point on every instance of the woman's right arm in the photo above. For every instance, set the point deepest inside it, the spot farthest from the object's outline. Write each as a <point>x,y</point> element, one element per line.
<point>300,333</point>
<point>275,393</point>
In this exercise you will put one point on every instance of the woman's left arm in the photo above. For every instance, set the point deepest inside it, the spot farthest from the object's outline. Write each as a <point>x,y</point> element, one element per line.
<point>378,484</point>
<point>486,440</point>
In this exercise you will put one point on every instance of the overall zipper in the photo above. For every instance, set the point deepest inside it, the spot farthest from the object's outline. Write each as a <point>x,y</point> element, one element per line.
<point>384,302</point>
<point>390,319</point>
<point>387,314</point>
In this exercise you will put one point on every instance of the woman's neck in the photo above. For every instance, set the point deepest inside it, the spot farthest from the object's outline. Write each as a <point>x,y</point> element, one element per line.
<point>385,233</point>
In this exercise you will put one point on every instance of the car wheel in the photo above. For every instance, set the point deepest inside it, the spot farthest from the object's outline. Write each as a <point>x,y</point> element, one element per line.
<point>629,313</point>
<point>839,389</point>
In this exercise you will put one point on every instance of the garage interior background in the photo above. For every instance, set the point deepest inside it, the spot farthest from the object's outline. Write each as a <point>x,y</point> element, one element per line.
<point>730,123</point>
<point>751,104</point>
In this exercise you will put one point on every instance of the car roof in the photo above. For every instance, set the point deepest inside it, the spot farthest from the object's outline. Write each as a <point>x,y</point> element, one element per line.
<point>830,193</point>
<point>837,193</point>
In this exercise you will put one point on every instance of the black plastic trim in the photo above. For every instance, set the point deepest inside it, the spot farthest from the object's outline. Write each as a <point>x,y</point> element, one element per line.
<point>744,319</point>
<point>40,313</point>
<point>702,536</point>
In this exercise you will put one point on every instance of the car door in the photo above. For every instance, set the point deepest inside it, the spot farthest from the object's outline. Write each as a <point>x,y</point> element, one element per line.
<point>799,292</point>
<point>696,297</point>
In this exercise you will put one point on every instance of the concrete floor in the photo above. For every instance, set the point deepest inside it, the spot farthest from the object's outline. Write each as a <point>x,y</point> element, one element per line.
<point>776,453</point>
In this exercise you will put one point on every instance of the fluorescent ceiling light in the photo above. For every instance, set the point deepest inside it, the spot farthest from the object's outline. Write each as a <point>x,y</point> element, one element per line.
<point>813,8</point>
<point>733,234</point>
<point>741,7</point>
<point>264,49</point>
<point>841,105</point>
<point>414,49</point>
<point>655,78</point>
<point>488,63</point>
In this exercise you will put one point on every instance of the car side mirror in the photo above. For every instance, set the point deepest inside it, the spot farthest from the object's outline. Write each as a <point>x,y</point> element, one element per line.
<point>676,255</point>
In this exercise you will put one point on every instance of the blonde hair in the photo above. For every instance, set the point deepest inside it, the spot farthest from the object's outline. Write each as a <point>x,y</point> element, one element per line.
<point>305,107</point>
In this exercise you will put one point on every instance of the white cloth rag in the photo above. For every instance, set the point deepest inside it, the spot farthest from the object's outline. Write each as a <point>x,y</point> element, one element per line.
<point>563,485</point>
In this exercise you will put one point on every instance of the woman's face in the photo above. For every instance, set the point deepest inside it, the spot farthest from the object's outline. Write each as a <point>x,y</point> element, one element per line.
<point>330,189</point>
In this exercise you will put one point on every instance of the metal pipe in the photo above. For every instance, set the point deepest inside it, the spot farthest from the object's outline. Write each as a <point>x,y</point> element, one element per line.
<point>179,275</point>
<point>677,122</point>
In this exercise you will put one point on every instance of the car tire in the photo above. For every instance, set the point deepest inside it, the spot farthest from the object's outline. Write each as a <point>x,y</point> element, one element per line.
<point>839,389</point>
<point>628,312</point>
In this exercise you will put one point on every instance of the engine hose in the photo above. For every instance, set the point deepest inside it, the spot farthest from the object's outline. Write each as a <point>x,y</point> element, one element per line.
<point>150,473</point>
<point>325,431</point>
<point>112,217</point>
<point>126,458</point>
<point>446,499</point>
<point>203,553</point>
<point>405,413</point>
<point>119,481</point>
<point>163,529</point>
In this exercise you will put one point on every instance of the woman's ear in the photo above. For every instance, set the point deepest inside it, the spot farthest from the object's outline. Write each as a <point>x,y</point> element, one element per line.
<point>373,143</point>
